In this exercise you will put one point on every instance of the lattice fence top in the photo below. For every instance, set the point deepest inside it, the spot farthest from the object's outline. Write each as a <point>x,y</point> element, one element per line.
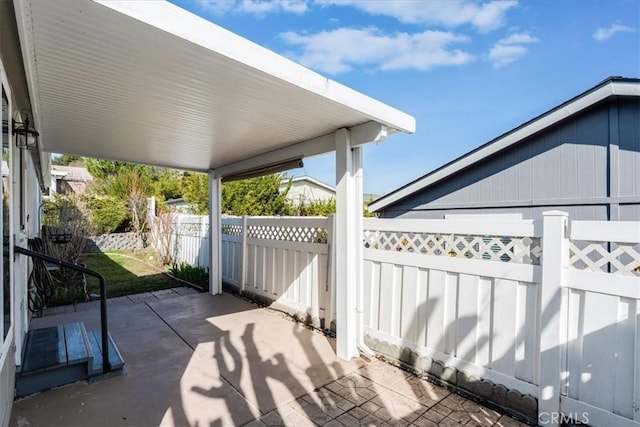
<point>232,229</point>
<point>521,250</point>
<point>291,234</point>
<point>617,258</point>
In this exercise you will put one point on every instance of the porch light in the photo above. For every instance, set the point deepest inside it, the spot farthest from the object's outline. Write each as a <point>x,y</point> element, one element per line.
<point>26,135</point>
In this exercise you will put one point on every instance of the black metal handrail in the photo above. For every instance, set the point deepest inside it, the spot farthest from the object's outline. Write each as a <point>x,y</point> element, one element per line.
<point>106,365</point>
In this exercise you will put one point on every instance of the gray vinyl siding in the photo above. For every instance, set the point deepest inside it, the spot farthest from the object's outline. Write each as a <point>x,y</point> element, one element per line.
<point>565,167</point>
<point>629,148</point>
<point>591,212</point>
<point>630,212</point>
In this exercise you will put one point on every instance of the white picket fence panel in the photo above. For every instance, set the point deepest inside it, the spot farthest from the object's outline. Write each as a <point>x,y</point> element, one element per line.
<point>232,250</point>
<point>190,241</point>
<point>450,302</point>
<point>282,259</point>
<point>602,309</point>
<point>478,295</point>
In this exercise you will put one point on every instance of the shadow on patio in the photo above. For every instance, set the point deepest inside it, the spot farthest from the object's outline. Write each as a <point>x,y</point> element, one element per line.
<point>201,360</point>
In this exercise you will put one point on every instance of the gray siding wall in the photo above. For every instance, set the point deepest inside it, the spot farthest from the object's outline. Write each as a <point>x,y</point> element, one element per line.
<point>629,148</point>
<point>566,167</point>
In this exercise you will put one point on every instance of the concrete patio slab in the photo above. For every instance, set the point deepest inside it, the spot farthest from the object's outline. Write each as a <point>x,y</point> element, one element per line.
<point>201,360</point>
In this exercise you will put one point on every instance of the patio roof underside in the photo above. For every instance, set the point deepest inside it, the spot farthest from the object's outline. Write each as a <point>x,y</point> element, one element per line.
<point>148,82</point>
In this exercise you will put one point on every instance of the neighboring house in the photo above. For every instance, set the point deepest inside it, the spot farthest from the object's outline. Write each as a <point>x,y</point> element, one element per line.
<point>305,189</point>
<point>179,205</point>
<point>582,157</point>
<point>67,180</point>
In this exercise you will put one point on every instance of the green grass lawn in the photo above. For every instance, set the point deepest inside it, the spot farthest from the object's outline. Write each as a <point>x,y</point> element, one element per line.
<point>124,274</point>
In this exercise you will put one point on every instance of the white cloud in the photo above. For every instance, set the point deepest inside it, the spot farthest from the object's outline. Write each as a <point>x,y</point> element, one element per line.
<point>256,7</point>
<point>450,13</point>
<point>343,49</point>
<point>603,33</point>
<point>218,7</point>
<point>510,49</point>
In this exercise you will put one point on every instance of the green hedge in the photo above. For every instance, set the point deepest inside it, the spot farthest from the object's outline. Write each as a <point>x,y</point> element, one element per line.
<point>108,214</point>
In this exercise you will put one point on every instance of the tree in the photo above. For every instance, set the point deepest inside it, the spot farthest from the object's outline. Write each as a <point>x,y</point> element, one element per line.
<point>108,213</point>
<point>68,160</point>
<point>259,196</point>
<point>195,190</point>
<point>134,187</point>
<point>131,183</point>
<point>255,196</point>
<point>316,208</point>
<point>103,169</point>
<point>168,184</point>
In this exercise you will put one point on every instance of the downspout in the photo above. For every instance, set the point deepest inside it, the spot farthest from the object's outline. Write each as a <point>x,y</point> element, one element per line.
<point>359,196</point>
<point>364,349</point>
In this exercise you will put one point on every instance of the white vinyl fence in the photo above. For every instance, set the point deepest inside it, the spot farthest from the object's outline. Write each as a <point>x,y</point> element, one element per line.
<point>279,260</point>
<point>544,315</point>
<point>601,339</point>
<point>522,303</point>
<point>457,291</point>
<point>190,241</point>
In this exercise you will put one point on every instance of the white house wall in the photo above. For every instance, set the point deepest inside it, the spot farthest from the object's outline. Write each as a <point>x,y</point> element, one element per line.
<point>28,210</point>
<point>308,192</point>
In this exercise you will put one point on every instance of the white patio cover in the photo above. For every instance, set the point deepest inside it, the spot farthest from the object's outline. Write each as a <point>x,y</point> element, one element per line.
<point>148,82</point>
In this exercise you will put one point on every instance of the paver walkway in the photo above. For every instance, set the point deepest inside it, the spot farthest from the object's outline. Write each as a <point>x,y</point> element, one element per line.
<point>201,360</point>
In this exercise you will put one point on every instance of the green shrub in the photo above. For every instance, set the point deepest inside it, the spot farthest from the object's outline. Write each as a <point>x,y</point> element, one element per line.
<point>108,214</point>
<point>316,208</point>
<point>190,273</point>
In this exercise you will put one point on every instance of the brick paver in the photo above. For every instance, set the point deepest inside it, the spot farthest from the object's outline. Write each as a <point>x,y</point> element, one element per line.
<point>380,394</point>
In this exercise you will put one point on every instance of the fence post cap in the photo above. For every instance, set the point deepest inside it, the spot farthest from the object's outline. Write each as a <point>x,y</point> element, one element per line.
<point>555,213</point>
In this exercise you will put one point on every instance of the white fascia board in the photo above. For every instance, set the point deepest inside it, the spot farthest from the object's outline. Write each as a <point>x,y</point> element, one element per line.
<point>194,29</point>
<point>586,101</point>
<point>623,88</point>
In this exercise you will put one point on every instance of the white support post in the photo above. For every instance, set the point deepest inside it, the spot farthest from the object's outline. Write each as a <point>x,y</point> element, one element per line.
<point>347,239</point>
<point>215,235</point>
<point>554,258</point>
<point>245,254</point>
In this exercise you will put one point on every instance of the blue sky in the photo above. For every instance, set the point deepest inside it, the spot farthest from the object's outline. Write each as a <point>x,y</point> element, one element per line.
<point>467,71</point>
